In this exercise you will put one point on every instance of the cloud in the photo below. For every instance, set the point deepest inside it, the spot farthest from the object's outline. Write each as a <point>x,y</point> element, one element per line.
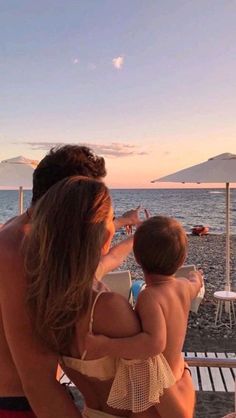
<point>118,62</point>
<point>75,61</point>
<point>112,150</point>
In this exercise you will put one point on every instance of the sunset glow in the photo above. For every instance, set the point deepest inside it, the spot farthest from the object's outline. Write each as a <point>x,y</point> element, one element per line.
<point>148,85</point>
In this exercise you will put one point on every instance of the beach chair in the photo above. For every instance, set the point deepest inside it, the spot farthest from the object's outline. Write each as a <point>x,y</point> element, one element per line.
<point>120,282</point>
<point>183,272</point>
<point>137,287</point>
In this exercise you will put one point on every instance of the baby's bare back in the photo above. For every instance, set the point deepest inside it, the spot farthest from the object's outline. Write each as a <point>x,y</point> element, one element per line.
<point>173,297</point>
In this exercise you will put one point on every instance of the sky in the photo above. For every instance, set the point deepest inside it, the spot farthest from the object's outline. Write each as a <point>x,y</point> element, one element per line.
<point>148,84</point>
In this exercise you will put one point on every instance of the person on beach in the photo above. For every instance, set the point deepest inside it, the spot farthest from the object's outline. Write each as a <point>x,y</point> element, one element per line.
<point>63,251</point>
<point>28,369</point>
<point>160,245</point>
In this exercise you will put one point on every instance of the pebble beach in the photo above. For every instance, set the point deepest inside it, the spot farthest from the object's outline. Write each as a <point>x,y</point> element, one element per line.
<point>208,253</point>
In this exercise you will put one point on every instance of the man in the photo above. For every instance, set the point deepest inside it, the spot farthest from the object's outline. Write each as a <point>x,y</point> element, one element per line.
<point>28,368</point>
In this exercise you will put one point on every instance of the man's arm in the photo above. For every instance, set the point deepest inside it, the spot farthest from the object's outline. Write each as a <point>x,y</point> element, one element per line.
<point>149,342</point>
<point>114,258</point>
<point>35,364</point>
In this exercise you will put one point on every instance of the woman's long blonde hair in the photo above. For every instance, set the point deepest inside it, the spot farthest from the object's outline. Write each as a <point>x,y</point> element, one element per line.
<point>62,254</point>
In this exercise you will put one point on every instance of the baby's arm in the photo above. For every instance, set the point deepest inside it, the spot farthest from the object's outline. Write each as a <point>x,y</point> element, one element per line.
<point>151,341</point>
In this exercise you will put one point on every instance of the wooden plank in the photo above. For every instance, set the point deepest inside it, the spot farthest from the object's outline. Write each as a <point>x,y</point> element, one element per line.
<point>228,378</point>
<point>194,372</point>
<point>232,355</point>
<point>204,375</point>
<point>223,378</point>
<point>216,376</point>
<point>228,363</point>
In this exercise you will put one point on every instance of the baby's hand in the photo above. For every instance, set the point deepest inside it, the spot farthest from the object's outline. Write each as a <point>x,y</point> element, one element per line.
<point>196,275</point>
<point>96,345</point>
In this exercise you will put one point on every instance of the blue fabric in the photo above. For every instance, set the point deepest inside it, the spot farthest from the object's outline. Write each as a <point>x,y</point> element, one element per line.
<point>137,286</point>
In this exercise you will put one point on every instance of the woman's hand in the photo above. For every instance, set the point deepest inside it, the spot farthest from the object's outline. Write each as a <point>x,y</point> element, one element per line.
<point>128,219</point>
<point>138,220</point>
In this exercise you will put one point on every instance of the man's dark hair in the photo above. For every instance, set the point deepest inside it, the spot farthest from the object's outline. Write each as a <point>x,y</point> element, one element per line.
<point>160,245</point>
<point>66,161</point>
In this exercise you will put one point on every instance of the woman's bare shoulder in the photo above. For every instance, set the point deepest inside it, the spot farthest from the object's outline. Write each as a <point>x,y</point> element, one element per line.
<point>114,316</point>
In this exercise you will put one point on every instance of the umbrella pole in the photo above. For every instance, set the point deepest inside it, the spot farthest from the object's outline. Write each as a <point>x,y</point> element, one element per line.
<point>227,284</point>
<point>21,204</point>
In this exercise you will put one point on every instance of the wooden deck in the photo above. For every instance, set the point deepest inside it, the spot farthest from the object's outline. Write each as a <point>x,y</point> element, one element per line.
<point>213,378</point>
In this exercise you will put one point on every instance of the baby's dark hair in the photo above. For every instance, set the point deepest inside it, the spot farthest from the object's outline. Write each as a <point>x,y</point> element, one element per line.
<point>66,161</point>
<point>160,245</point>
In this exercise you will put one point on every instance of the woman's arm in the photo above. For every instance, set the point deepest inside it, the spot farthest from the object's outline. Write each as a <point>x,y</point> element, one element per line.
<point>129,218</point>
<point>114,258</point>
<point>147,343</point>
<point>114,317</point>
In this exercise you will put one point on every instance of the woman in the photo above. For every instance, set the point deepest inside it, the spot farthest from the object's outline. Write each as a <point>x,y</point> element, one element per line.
<point>72,227</point>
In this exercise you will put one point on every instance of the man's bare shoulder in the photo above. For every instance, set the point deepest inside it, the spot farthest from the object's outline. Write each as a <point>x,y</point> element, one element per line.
<point>11,261</point>
<point>12,233</point>
<point>10,239</point>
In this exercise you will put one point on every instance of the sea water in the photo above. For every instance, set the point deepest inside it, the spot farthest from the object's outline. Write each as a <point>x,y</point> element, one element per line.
<point>189,206</point>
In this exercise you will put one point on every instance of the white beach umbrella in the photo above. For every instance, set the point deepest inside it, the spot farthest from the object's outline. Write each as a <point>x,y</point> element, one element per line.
<point>219,169</point>
<point>17,173</point>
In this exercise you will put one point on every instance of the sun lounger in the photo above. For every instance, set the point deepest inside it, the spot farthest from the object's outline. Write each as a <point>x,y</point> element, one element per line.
<point>183,272</point>
<point>120,281</point>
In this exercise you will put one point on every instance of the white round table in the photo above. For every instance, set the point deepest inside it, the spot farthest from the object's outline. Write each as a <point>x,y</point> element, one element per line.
<point>227,297</point>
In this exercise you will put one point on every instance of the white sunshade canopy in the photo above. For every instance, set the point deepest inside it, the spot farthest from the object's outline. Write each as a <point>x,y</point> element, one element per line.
<point>219,169</point>
<point>17,172</point>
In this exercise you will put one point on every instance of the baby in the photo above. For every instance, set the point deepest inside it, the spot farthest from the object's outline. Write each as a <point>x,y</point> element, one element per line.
<point>160,246</point>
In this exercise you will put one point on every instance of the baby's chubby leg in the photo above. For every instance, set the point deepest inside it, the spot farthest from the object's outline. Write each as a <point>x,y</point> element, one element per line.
<point>178,401</point>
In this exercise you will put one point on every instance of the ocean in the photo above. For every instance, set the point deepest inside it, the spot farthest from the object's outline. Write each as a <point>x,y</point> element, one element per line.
<point>189,206</point>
